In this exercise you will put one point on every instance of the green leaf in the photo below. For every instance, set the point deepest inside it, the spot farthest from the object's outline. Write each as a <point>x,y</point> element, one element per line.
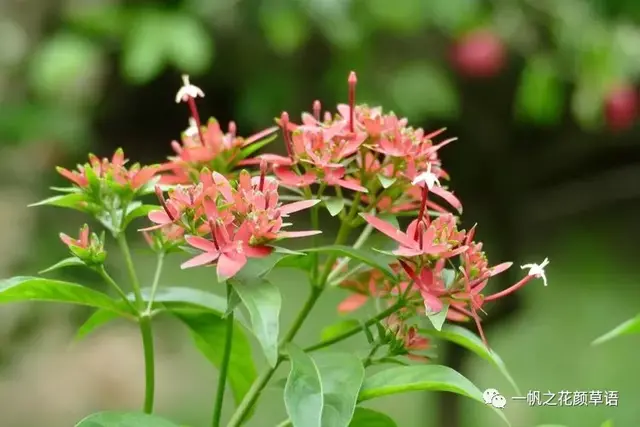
<point>540,94</point>
<point>386,182</point>
<point>334,205</point>
<point>303,396</point>
<point>188,43</point>
<point>70,200</point>
<point>209,333</point>
<point>263,301</point>
<point>449,276</point>
<point>137,212</point>
<point>341,375</point>
<point>424,89</point>
<point>586,105</point>
<point>144,48</point>
<point>467,339</point>
<point>97,319</point>
<point>322,390</point>
<point>630,327</point>
<point>338,328</point>
<point>438,319</point>
<point>403,379</point>
<point>124,419</point>
<point>608,423</point>
<point>21,288</point>
<point>195,297</point>
<point>259,267</point>
<point>252,148</point>
<point>364,417</point>
<point>365,256</point>
<point>67,262</point>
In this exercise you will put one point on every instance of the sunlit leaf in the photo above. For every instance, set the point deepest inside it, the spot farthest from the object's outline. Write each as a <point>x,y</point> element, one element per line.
<point>67,262</point>
<point>144,50</point>
<point>21,289</point>
<point>338,328</point>
<point>188,43</point>
<point>70,200</point>
<point>364,417</point>
<point>630,327</point>
<point>365,256</point>
<point>467,339</point>
<point>97,319</point>
<point>404,379</point>
<point>263,302</point>
<point>438,319</point>
<point>540,95</point>
<point>334,205</point>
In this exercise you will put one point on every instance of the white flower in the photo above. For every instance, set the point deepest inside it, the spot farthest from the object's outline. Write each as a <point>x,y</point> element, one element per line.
<point>188,90</point>
<point>429,178</point>
<point>192,130</point>
<point>537,270</point>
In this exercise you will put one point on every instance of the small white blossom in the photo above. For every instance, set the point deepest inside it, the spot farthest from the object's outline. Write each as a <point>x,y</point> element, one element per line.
<point>188,90</point>
<point>537,270</point>
<point>192,130</point>
<point>429,178</point>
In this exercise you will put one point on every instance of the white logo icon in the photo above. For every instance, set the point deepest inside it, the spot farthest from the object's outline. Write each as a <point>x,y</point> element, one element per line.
<point>492,397</point>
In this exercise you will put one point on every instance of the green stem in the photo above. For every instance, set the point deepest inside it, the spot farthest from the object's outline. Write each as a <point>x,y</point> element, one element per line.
<point>156,280</point>
<point>103,273</point>
<point>369,359</point>
<point>256,388</point>
<point>357,329</point>
<point>149,365</point>
<point>224,367</point>
<point>131,270</point>
<point>145,327</point>
<point>260,383</point>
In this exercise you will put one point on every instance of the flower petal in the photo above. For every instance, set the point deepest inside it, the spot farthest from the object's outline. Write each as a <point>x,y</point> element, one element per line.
<point>352,303</point>
<point>159,217</point>
<point>295,234</point>
<point>297,206</point>
<point>201,243</point>
<point>448,197</point>
<point>390,230</point>
<point>229,264</point>
<point>202,259</point>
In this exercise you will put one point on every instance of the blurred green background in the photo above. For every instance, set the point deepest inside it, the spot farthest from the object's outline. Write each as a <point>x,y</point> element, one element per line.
<point>542,94</point>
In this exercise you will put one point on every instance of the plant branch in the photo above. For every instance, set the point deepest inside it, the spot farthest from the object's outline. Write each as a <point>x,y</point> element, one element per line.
<point>103,273</point>
<point>156,280</point>
<point>366,232</point>
<point>355,330</point>
<point>224,367</point>
<point>144,321</point>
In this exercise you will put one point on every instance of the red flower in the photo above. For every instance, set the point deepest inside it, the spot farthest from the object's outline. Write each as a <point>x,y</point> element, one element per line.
<point>81,242</point>
<point>132,178</point>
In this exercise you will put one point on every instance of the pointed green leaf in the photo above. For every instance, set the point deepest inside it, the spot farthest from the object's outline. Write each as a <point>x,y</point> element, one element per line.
<point>233,301</point>
<point>209,333</point>
<point>403,379</point>
<point>334,205</point>
<point>66,189</point>
<point>365,256</point>
<point>608,423</point>
<point>338,328</point>
<point>341,375</point>
<point>70,200</point>
<point>252,148</point>
<point>303,396</point>
<point>19,289</point>
<point>183,295</point>
<point>438,319</point>
<point>630,327</point>
<point>322,390</point>
<point>263,301</point>
<point>67,262</point>
<point>386,182</point>
<point>137,212</point>
<point>467,339</point>
<point>364,417</point>
<point>124,419</point>
<point>97,319</point>
<point>449,276</point>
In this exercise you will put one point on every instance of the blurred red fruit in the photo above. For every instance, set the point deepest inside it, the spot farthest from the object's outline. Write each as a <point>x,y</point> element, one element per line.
<point>621,107</point>
<point>479,54</point>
